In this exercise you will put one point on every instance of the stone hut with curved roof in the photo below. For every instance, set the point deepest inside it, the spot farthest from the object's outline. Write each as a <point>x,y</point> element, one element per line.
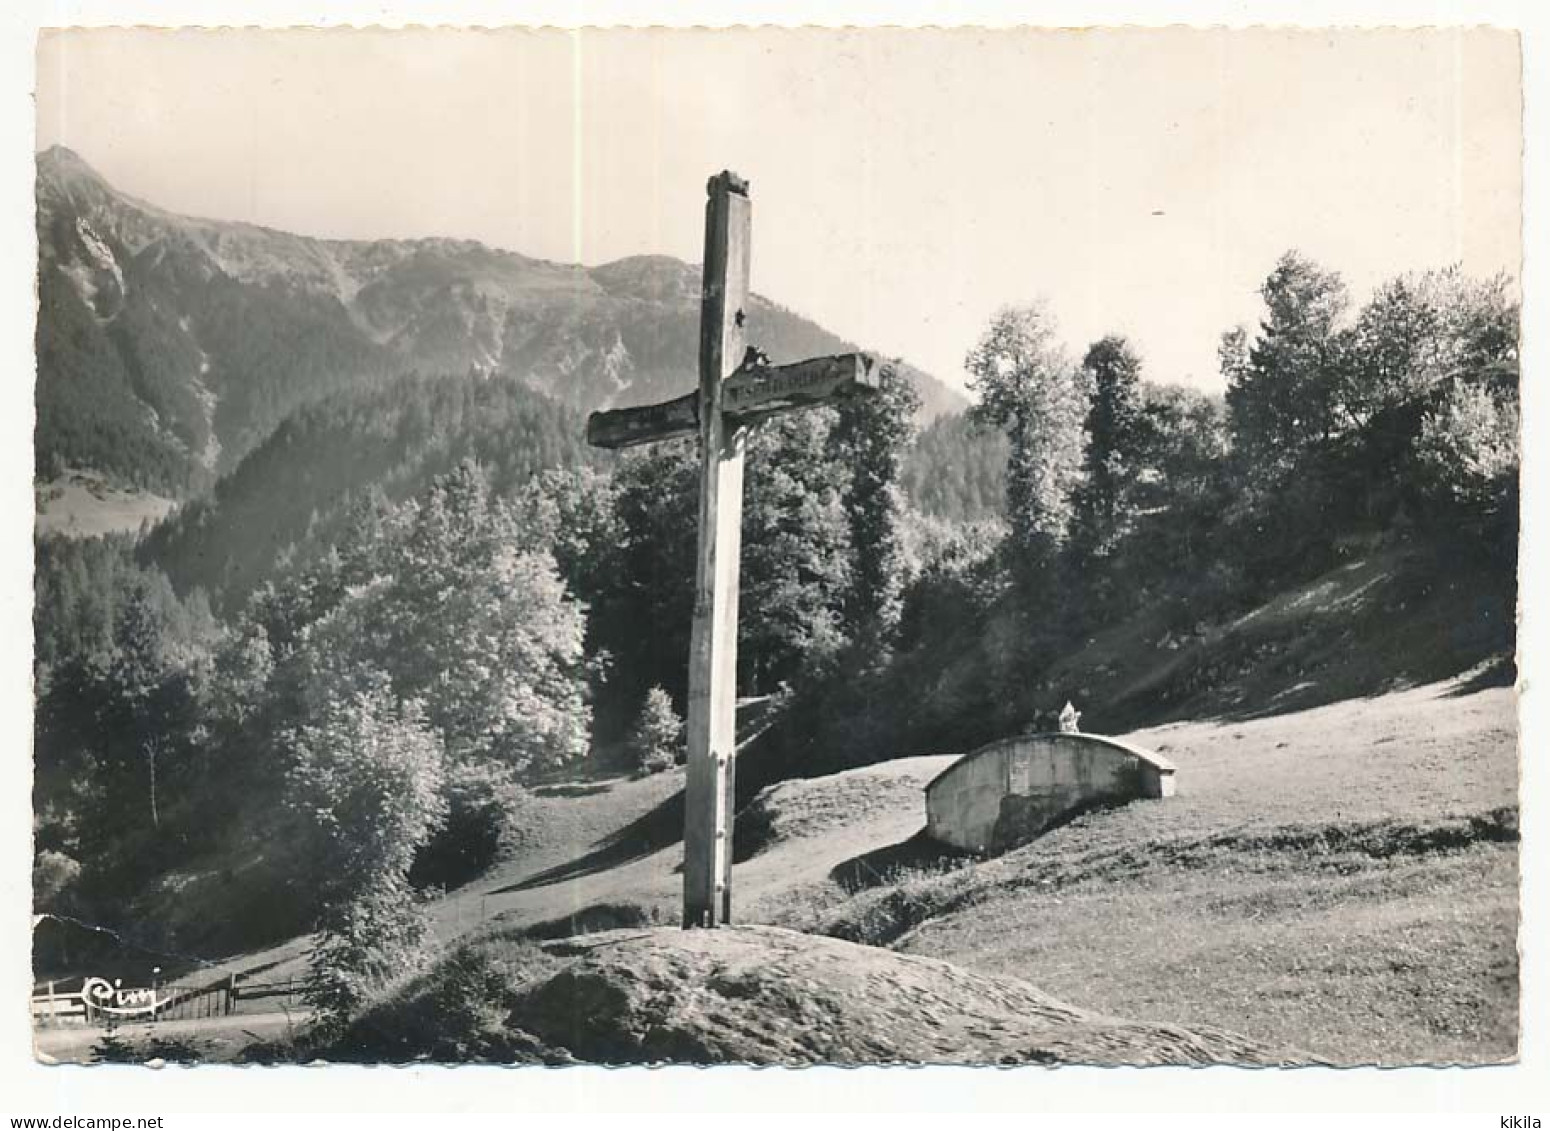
<point>1010,791</point>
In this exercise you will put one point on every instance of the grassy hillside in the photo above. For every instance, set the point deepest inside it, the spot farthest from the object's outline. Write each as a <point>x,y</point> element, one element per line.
<point>1342,879</point>
<point>1380,622</point>
<point>1396,617</point>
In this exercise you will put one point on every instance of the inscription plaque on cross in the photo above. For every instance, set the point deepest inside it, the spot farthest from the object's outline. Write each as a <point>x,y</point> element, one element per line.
<point>737,390</point>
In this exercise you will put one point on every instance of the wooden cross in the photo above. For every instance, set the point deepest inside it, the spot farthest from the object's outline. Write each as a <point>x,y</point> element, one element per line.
<point>736,391</point>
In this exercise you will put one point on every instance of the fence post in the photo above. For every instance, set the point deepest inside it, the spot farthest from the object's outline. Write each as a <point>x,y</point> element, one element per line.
<point>53,1010</point>
<point>231,993</point>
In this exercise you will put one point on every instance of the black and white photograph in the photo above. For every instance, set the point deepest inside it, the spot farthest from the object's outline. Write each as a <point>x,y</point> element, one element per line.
<point>776,546</point>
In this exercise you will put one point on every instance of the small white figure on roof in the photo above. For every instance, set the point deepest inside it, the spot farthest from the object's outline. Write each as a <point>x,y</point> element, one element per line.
<point>1069,717</point>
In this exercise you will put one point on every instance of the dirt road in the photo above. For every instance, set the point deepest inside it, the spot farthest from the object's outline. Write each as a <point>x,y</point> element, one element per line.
<point>215,1038</point>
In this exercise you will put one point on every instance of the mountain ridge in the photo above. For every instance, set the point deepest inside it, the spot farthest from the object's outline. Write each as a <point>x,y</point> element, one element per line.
<point>169,346</point>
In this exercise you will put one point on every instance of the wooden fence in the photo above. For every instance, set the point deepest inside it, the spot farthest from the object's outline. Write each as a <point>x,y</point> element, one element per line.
<point>276,996</point>
<point>172,1002</point>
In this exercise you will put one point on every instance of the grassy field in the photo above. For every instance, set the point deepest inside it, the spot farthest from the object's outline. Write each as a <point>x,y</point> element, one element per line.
<point>1342,879</point>
<point>83,505</point>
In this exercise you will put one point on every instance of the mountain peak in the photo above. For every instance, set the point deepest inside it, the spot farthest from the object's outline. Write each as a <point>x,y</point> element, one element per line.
<point>63,175</point>
<point>60,162</point>
<point>657,277</point>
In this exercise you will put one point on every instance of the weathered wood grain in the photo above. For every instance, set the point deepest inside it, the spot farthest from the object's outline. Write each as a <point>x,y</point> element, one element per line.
<point>752,393</point>
<point>712,721</point>
<point>627,427</point>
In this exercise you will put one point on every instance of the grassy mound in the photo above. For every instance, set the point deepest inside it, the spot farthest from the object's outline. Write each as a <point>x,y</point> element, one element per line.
<point>756,995</point>
<point>823,808</point>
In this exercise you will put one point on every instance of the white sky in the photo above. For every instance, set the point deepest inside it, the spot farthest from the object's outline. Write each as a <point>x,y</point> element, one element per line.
<point>905,183</point>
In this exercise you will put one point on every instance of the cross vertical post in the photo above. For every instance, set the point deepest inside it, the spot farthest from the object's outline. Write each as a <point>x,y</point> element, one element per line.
<point>739,388</point>
<point>712,715</point>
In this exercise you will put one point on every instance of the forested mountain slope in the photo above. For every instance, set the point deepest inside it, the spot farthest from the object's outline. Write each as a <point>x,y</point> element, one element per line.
<point>170,347</point>
<point>295,490</point>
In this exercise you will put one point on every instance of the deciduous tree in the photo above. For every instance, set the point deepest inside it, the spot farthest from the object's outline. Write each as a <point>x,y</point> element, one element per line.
<point>1027,386</point>
<point>1111,461</point>
<point>364,793</point>
<point>1283,387</point>
<point>870,440</point>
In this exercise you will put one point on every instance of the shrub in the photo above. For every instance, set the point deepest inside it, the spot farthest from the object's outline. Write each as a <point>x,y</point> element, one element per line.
<point>364,943</point>
<point>114,1049</point>
<point>484,806</point>
<point>52,873</point>
<point>658,740</point>
<point>1468,449</point>
<point>459,1009</point>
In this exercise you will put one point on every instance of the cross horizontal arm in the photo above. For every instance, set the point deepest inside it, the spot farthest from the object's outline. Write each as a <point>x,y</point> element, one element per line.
<point>753,392</point>
<point>626,427</point>
<point>768,389</point>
